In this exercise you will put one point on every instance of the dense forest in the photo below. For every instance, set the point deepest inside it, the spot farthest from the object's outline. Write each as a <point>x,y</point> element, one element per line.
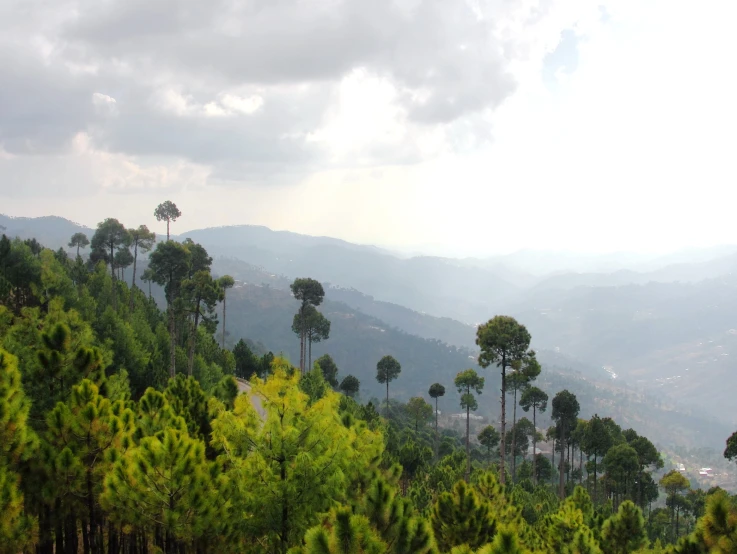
<point>125,428</point>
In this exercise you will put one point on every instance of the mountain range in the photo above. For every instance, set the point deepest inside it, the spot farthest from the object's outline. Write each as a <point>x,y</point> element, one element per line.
<point>659,330</point>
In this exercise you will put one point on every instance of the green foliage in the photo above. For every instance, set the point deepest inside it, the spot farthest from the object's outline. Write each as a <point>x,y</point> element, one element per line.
<point>98,447</point>
<point>730,452</point>
<point>293,464</point>
<point>167,211</point>
<point>350,386</point>
<point>329,369</point>
<point>462,517</point>
<point>624,532</point>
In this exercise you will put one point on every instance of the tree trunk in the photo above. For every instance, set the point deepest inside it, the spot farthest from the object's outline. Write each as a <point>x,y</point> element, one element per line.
<point>58,527</point>
<point>167,230</point>
<point>552,462</point>
<point>224,293</point>
<point>309,356</point>
<point>133,283</point>
<point>514,438</point>
<point>504,422</point>
<point>301,340</point>
<point>172,342</point>
<point>562,476</point>
<point>70,535</point>
<point>534,446</point>
<point>580,466</point>
<point>91,513</point>
<point>386,411</point>
<point>436,429</point>
<point>112,274</point>
<point>468,444</point>
<point>193,338</point>
<point>284,514</point>
<point>85,539</point>
<point>595,497</point>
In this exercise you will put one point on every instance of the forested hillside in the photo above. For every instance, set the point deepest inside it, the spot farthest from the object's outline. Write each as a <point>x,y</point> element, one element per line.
<point>122,429</point>
<point>667,341</point>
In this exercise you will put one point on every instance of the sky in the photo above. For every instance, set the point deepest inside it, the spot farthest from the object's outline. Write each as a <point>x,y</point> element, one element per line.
<point>454,128</point>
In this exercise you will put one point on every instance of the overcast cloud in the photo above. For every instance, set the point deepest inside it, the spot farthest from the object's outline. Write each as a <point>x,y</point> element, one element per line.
<point>461,126</point>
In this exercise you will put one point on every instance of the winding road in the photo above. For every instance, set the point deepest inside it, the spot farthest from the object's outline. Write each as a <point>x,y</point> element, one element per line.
<point>245,386</point>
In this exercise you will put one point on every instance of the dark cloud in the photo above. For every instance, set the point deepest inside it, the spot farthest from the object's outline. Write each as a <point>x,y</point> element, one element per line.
<point>444,58</point>
<point>442,49</point>
<point>41,106</point>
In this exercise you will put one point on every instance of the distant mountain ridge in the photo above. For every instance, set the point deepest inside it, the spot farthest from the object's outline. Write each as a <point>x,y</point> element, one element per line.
<point>645,326</point>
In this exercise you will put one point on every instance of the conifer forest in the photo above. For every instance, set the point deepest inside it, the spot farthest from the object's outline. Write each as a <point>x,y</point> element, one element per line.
<point>128,427</point>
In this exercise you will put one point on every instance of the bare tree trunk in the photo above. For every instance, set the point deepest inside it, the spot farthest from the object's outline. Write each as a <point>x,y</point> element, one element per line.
<point>133,283</point>
<point>224,293</point>
<point>514,439</point>
<point>436,428</point>
<point>562,476</point>
<point>534,446</point>
<point>552,462</point>
<point>301,340</point>
<point>112,275</point>
<point>580,466</point>
<point>193,339</point>
<point>172,342</point>
<point>504,422</point>
<point>309,356</point>
<point>468,444</point>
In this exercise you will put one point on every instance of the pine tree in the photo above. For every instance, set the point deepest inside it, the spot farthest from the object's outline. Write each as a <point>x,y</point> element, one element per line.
<point>462,517</point>
<point>17,443</point>
<point>293,463</point>
<point>82,431</point>
<point>624,532</point>
<point>167,487</point>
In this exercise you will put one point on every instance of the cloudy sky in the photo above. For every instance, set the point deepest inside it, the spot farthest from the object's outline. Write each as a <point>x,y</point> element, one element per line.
<point>453,127</point>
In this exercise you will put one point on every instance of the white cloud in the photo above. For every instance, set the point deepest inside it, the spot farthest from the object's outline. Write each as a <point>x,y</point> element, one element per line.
<point>105,105</point>
<point>242,104</point>
<point>422,125</point>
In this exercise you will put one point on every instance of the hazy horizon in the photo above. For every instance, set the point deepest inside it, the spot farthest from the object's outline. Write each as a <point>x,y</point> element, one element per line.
<point>634,256</point>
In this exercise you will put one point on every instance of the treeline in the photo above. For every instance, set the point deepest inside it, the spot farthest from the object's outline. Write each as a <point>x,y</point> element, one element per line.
<point>122,430</point>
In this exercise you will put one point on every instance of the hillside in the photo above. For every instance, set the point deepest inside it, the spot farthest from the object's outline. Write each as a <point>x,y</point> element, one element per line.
<point>654,336</point>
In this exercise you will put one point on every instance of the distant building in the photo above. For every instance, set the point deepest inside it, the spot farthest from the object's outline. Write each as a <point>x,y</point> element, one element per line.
<point>471,416</point>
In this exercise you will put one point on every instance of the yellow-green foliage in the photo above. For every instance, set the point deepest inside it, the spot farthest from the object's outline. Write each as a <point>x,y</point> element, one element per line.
<point>295,462</point>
